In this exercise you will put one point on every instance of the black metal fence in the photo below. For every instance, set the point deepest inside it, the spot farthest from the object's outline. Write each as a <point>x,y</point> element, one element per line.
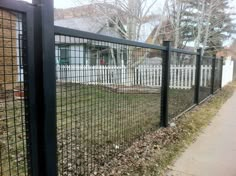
<point>206,86</point>
<point>234,74</point>
<point>13,94</point>
<point>72,112</point>
<point>104,98</point>
<point>181,97</point>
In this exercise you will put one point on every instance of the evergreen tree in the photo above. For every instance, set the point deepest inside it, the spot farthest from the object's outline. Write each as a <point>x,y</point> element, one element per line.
<point>206,23</point>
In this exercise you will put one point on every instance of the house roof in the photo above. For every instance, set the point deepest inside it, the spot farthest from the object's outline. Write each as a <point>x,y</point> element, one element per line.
<point>88,18</point>
<point>99,25</point>
<point>90,10</point>
<point>146,30</point>
<point>165,33</point>
<point>83,23</point>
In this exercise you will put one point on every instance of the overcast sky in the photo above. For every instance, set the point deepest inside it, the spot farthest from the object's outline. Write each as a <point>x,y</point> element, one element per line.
<point>71,3</point>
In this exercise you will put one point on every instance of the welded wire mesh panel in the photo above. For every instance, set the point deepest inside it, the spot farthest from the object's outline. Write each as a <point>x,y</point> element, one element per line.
<point>182,83</point>
<point>205,78</point>
<point>107,95</point>
<point>217,77</point>
<point>12,95</point>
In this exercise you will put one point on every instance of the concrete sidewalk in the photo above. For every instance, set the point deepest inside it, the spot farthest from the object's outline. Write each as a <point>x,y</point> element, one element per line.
<point>214,152</point>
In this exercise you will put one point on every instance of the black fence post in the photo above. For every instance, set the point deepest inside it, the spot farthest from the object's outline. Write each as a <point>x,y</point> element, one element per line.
<point>221,71</point>
<point>166,58</point>
<point>30,85</point>
<point>213,74</point>
<point>234,71</point>
<point>198,75</point>
<point>44,55</point>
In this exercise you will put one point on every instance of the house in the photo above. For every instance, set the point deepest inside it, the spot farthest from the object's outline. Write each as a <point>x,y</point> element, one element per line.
<point>165,33</point>
<point>87,52</point>
<point>10,55</point>
<point>228,52</point>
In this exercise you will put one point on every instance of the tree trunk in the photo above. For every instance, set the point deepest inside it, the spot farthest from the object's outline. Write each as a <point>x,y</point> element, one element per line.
<point>177,24</point>
<point>200,23</point>
<point>206,36</point>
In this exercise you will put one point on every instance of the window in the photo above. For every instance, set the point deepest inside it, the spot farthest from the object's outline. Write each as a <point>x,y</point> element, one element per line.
<point>64,58</point>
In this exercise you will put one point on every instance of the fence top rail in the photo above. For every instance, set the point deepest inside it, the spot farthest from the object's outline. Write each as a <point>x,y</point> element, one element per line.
<point>97,37</point>
<point>183,51</point>
<point>87,35</point>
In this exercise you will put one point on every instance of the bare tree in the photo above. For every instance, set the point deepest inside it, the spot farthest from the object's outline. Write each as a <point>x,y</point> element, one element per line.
<point>131,12</point>
<point>175,23</point>
<point>206,23</point>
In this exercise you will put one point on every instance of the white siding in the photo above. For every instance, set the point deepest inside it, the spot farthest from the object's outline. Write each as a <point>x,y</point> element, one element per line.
<point>76,54</point>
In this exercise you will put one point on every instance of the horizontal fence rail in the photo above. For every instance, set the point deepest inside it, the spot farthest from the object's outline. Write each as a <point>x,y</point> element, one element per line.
<point>68,32</point>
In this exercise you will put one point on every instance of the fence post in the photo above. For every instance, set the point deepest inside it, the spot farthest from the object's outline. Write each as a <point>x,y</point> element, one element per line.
<point>166,58</point>
<point>221,70</point>
<point>44,56</point>
<point>213,74</point>
<point>198,75</point>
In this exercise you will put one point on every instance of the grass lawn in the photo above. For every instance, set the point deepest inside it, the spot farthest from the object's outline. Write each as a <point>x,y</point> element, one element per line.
<point>155,152</point>
<point>94,124</point>
<point>12,138</point>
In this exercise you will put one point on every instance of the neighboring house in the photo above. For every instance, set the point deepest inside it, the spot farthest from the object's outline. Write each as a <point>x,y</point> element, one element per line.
<point>95,22</point>
<point>10,55</point>
<point>228,51</point>
<point>165,33</point>
<point>87,52</point>
<point>90,10</point>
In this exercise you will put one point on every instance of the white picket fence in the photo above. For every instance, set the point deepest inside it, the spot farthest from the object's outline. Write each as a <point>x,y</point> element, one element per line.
<point>181,76</point>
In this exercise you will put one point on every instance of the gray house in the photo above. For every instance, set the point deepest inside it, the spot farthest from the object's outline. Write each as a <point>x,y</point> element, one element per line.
<point>78,51</point>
